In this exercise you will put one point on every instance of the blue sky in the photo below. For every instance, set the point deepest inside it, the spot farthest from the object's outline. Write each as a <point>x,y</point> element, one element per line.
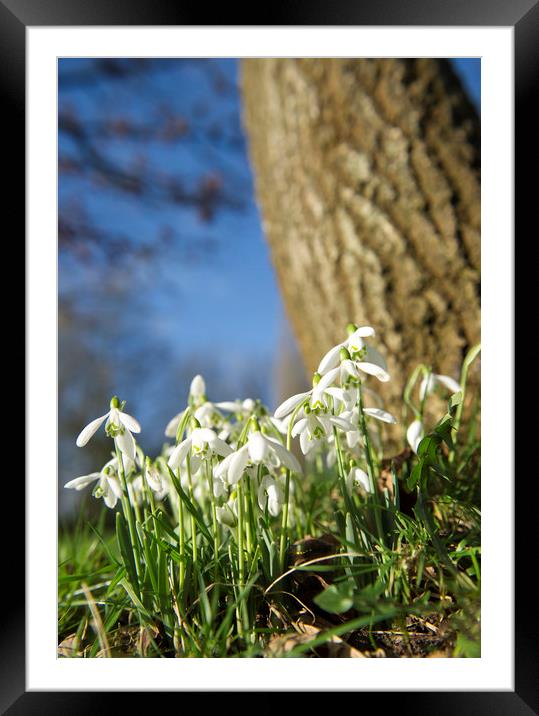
<point>158,321</point>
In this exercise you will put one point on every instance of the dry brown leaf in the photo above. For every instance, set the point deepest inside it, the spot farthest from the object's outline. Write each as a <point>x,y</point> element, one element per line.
<point>334,648</point>
<point>70,647</point>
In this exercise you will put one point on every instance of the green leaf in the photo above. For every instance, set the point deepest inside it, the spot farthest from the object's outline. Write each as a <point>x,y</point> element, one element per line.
<point>336,599</point>
<point>191,508</point>
<point>126,550</point>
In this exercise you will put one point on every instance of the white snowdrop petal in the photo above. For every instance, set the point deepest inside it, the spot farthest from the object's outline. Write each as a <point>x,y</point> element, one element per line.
<point>373,369</point>
<point>379,414</point>
<point>414,434</point>
<point>202,436</point>
<point>342,423</point>
<point>352,438</point>
<point>220,447</point>
<point>348,367</point>
<point>114,485</point>
<point>337,393</point>
<point>304,442</point>
<point>221,469</point>
<point>230,406</point>
<point>79,483</point>
<point>289,404</point>
<point>172,425</point>
<point>330,360</point>
<point>257,447</point>
<point>178,454</point>
<point>299,427</point>
<point>87,432</point>
<point>450,383</point>
<point>426,386</point>
<point>360,477</point>
<point>110,499</point>
<point>327,379</point>
<point>198,386</point>
<point>372,355</point>
<point>365,331</point>
<point>238,463</point>
<point>287,458</point>
<point>129,422</point>
<point>195,463</point>
<point>154,480</point>
<point>126,443</point>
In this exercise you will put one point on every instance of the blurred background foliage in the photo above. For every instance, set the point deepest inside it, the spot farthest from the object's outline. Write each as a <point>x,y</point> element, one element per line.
<point>163,268</point>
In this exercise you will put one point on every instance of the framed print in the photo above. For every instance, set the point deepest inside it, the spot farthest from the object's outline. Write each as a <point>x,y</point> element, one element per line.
<point>289,246</point>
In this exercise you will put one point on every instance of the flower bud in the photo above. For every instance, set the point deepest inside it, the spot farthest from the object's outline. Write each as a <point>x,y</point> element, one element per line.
<point>316,378</point>
<point>198,387</point>
<point>344,354</point>
<point>115,402</point>
<point>351,328</point>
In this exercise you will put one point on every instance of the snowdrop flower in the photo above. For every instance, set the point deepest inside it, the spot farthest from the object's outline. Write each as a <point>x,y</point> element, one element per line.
<point>259,449</point>
<point>153,476</point>
<point>226,514</point>
<point>317,395</point>
<point>429,383</point>
<point>197,397</point>
<point>316,427</point>
<point>357,355</point>
<point>108,487</point>
<point>202,443</point>
<point>119,426</point>
<point>359,477</point>
<point>270,494</point>
<point>415,434</point>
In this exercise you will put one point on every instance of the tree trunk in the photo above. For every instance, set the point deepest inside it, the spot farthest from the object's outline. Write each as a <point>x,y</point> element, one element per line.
<point>368,178</point>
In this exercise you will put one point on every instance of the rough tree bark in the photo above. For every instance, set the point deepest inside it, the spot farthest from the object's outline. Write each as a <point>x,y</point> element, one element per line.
<point>367,174</point>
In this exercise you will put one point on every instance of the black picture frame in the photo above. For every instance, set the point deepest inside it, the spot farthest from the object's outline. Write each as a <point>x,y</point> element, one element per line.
<point>523,16</point>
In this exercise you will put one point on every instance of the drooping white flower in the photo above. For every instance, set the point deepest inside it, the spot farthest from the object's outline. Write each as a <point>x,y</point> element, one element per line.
<point>317,395</point>
<point>315,427</point>
<point>259,449</point>
<point>202,443</point>
<point>362,357</point>
<point>270,494</point>
<point>227,514</point>
<point>119,426</point>
<point>153,477</point>
<point>197,397</point>
<point>415,434</point>
<point>429,383</point>
<point>108,487</point>
<point>357,476</point>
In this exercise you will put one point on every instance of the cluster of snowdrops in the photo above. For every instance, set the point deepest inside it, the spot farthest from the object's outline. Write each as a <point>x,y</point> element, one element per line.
<point>229,457</point>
